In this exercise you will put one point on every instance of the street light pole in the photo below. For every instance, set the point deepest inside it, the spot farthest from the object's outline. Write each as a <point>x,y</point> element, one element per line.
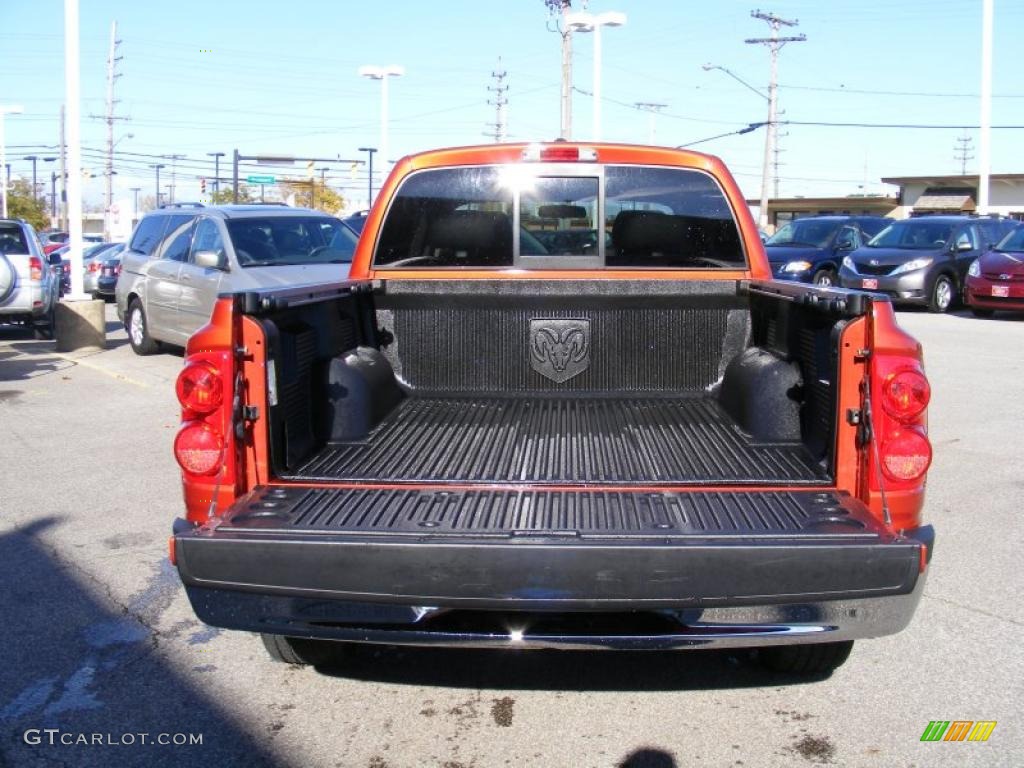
<point>589,22</point>
<point>11,109</point>
<point>216,170</point>
<point>383,73</point>
<point>135,204</point>
<point>985,135</point>
<point>369,193</point>
<point>35,188</point>
<point>157,167</point>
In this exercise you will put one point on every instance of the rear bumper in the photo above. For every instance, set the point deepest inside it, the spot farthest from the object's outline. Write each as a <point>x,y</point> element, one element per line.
<point>557,588</point>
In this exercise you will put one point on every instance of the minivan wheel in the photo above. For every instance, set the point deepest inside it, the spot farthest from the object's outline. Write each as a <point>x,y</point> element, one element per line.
<point>138,330</point>
<point>813,659</point>
<point>943,294</point>
<point>826,278</point>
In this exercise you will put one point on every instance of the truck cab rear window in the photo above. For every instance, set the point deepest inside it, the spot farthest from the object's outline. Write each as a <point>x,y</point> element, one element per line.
<point>537,217</point>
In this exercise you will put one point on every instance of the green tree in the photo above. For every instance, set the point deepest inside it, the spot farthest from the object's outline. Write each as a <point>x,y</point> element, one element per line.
<point>22,205</point>
<point>313,194</point>
<point>226,195</point>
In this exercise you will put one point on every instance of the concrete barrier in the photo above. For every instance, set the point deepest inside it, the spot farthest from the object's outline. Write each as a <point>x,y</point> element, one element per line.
<point>81,325</point>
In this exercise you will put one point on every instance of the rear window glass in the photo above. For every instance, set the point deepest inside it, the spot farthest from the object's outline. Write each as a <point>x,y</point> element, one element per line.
<point>648,218</point>
<point>669,218</point>
<point>12,239</point>
<point>147,235</point>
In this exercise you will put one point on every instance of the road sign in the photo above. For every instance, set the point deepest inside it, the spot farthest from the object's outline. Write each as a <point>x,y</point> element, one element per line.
<point>260,179</point>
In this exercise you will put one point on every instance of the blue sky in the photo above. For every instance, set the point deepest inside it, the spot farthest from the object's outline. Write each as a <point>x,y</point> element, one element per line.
<point>280,78</point>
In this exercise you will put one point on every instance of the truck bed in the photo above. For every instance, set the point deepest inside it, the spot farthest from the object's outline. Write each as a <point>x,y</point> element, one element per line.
<point>684,440</point>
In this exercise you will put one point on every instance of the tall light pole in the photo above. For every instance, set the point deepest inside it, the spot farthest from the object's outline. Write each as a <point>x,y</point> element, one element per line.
<point>135,205</point>
<point>369,193</point>
<point>216,170</point>
<point>10,109</point>
<point>591,22</point>
<point>382,74</point>
<point>35,189</point>
<point>157,167</point>
<point>984,145</point>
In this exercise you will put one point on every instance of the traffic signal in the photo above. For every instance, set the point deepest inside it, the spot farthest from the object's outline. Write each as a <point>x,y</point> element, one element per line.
<point>202,184</point>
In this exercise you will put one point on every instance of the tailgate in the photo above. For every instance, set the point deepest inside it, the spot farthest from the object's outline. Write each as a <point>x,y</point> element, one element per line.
<point>546,549</point>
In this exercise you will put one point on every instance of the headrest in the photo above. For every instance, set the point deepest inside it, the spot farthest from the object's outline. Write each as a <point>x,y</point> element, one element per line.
<point>471,231</point>
<point>650,231</point>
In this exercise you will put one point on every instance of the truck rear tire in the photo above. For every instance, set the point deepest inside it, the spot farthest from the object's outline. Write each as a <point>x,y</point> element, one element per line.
<point>815,659</point>
<point>297,650</point>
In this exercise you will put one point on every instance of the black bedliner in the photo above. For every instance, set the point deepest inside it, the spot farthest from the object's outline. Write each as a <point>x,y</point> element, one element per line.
<point>684,440</point>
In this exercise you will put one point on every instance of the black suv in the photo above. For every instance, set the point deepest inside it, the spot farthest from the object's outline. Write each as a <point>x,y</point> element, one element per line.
<point>922,260</point>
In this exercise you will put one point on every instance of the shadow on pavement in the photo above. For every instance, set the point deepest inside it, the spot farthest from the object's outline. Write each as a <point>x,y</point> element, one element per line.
<point>556,670</point>
<point>75,664</point>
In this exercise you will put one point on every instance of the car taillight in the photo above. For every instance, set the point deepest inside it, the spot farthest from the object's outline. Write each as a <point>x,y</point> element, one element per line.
<point>93,266</point>
<point>117,270</point>
<point>199,448</point>
<point>35,268</point>
<point>906,455</point>
<point>905,394</point>
<point>200,388</point>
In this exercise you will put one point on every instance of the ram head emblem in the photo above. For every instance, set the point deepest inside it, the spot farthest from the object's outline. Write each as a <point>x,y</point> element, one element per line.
<point>559,349</point>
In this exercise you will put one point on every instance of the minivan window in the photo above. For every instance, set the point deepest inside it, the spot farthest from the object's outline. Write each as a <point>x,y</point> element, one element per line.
<point>147,234</point>
<point>207,238</point>
<point>913,234</point>
<point>269,241</point>
<point>179,242</point>
<point>809,233</point>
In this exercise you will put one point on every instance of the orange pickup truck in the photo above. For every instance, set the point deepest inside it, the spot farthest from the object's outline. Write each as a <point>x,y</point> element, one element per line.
<point>561,404</point>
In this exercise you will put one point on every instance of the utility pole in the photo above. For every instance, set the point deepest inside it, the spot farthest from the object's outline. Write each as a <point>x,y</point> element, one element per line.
<point>985,136</point>
<point>500,100</point>
<point>135,204</point>
<point>562,8</point>
<point>963,147</point>
<point>174,166</point>
<point>157,167</point>
<point>216,170</point>
<point>775,44</point>
<point>776,151</point>
<point>112,75</point>
<point>652,109</point>
<point>369,193</point>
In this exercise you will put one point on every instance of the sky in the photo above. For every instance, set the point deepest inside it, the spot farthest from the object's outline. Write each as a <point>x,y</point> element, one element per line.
<point>281,78</point>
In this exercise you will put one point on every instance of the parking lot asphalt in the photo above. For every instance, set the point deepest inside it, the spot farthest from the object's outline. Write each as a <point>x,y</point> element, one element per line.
<point>100,643</point>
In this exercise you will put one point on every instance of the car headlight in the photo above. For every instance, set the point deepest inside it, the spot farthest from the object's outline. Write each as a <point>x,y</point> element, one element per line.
<point>848,264</point>
<point>911,265</point>
<point>975,269</point>
<point>797,266</point>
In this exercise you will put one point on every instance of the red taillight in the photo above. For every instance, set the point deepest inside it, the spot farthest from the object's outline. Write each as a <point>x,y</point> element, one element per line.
<point>117,270</point>
<point>906,455</point>
<point>200,388</point>
<point>35,268</point>
<point>199,448</point>
<point>905,394</point>
<point>94,266</point>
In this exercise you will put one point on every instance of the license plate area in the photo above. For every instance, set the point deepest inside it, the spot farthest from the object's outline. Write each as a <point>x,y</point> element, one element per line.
<point>870,284</point>
<point>1001,291</point>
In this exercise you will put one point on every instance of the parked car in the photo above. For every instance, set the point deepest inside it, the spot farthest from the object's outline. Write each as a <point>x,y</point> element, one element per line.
<point>810,250</point>
<point>92,261</point>
<point>29,289</point>
<point>923,260</point>
<point>356,221</point>
<point>995,280</point>
<point>110,268</point>
<point>61,265</point>
<point>179,259</point>
<point>52,239</point>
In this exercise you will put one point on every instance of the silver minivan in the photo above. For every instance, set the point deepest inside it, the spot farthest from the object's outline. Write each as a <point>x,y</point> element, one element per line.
<point>181,257</point>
